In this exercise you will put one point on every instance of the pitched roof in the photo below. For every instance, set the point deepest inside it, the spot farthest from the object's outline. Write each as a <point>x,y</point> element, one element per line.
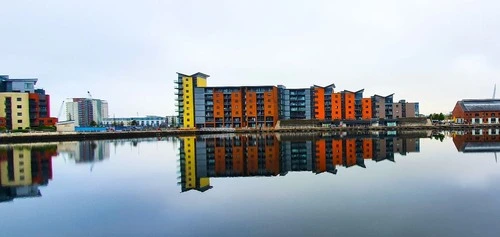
<point>479,105</point>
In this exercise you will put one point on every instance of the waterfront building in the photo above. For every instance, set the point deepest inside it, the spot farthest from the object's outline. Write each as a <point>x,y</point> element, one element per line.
<point>148,121</point>
<point>84,111</point>
<point>22,106</point>
<point>200,106</point>
<point>477,111</point>
<point>14,107</point>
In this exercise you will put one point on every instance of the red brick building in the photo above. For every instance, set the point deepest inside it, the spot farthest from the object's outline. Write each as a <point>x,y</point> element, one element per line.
<point>477,111</point>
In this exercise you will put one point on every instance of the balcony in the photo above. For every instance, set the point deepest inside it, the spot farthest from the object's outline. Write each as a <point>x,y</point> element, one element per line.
<point>179,99</point>
<point>178,92</point>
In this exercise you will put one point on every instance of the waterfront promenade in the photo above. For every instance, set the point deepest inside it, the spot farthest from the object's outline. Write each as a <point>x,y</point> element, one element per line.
<point>78,136</point>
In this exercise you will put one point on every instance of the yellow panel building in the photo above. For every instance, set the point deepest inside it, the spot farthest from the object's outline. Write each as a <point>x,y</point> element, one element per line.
<point>18,172</point>
<point>185,85</point>
<point>14,107</point>
<point>191,181</point>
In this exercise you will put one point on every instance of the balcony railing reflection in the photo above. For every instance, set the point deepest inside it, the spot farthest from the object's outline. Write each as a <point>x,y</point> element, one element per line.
<point>270,155</point>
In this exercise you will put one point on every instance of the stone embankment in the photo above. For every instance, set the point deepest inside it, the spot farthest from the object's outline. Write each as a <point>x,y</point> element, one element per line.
<point>74,136</point>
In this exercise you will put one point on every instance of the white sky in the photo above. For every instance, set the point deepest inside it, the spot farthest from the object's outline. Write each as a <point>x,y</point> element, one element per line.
<point>128,52</point>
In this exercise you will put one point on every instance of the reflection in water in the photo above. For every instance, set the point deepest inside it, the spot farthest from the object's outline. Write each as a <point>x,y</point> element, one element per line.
<point>85,151</point>
<point>478,140</point>
<point>23,168</point>
<point>204,157</point>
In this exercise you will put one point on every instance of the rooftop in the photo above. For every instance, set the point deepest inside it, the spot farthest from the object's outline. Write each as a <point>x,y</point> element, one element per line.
<point>478,105</point>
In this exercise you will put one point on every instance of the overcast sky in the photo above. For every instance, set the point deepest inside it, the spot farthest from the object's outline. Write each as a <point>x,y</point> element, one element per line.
<point>128,52</point>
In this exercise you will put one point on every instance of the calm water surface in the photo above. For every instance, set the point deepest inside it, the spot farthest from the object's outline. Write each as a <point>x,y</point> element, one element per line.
<point>311,185</point>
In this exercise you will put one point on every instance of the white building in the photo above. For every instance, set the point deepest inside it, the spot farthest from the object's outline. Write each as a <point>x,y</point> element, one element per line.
<point>148,121</point>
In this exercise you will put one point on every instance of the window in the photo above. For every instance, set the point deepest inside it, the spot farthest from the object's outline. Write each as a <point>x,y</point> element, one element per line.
<point>19,106</point>
<point>19,114</point>
<point>19,99</point>
<point>19,121</point>
<point>28,85</point>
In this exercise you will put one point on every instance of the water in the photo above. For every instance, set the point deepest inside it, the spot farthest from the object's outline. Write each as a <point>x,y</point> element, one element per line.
<point>287,185</point>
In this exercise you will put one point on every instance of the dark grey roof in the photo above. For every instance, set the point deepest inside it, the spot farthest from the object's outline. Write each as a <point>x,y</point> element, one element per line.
<point>480,105</point>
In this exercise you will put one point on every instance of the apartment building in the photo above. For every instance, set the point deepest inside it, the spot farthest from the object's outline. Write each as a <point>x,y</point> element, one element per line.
<point>22,106</point>
<point>200,106</point>
<point>84,111</point>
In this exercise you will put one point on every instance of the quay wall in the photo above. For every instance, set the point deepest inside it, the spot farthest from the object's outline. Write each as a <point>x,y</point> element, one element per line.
<point>79,136</point>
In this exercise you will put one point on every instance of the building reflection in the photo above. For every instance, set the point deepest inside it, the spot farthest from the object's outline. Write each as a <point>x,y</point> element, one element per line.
<point>85,151</point>
<point>205,157</point>
<point>23,169</point>
<point>477,140</point>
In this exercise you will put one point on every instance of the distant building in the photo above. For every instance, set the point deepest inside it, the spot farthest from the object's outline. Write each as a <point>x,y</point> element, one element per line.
<point>147,121</point>
<point>477,111</point>
<point>85,110</point>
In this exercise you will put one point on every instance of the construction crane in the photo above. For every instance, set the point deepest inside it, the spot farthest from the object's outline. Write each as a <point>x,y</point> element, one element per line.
<point>60,111</point>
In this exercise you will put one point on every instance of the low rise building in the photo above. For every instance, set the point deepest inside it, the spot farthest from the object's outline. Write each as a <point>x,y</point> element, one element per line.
<point>476,111</point>
<point>147,121</point>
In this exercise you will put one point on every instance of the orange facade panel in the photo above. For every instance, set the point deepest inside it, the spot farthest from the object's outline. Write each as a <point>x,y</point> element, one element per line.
<point>218,104</point>
<point>319,103</point>
<point>220,160</point>
<point>237,104</point>
<point>252,160</point>
<point>272,159</point>
<point>321,156</point>
<point>238,160</point>
<point>336,106</point>
<point>367,148</point>
<point>350,149</point>
<point>271,105</point>
<point>251,104</point>
<point>349,105</point>
<point>366,105</point>
<point>338,152</point>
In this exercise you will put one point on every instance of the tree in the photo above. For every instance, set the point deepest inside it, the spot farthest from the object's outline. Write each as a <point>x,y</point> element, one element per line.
<point>441,117</point>
<point>133,123</point>
<point>93,123</point>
